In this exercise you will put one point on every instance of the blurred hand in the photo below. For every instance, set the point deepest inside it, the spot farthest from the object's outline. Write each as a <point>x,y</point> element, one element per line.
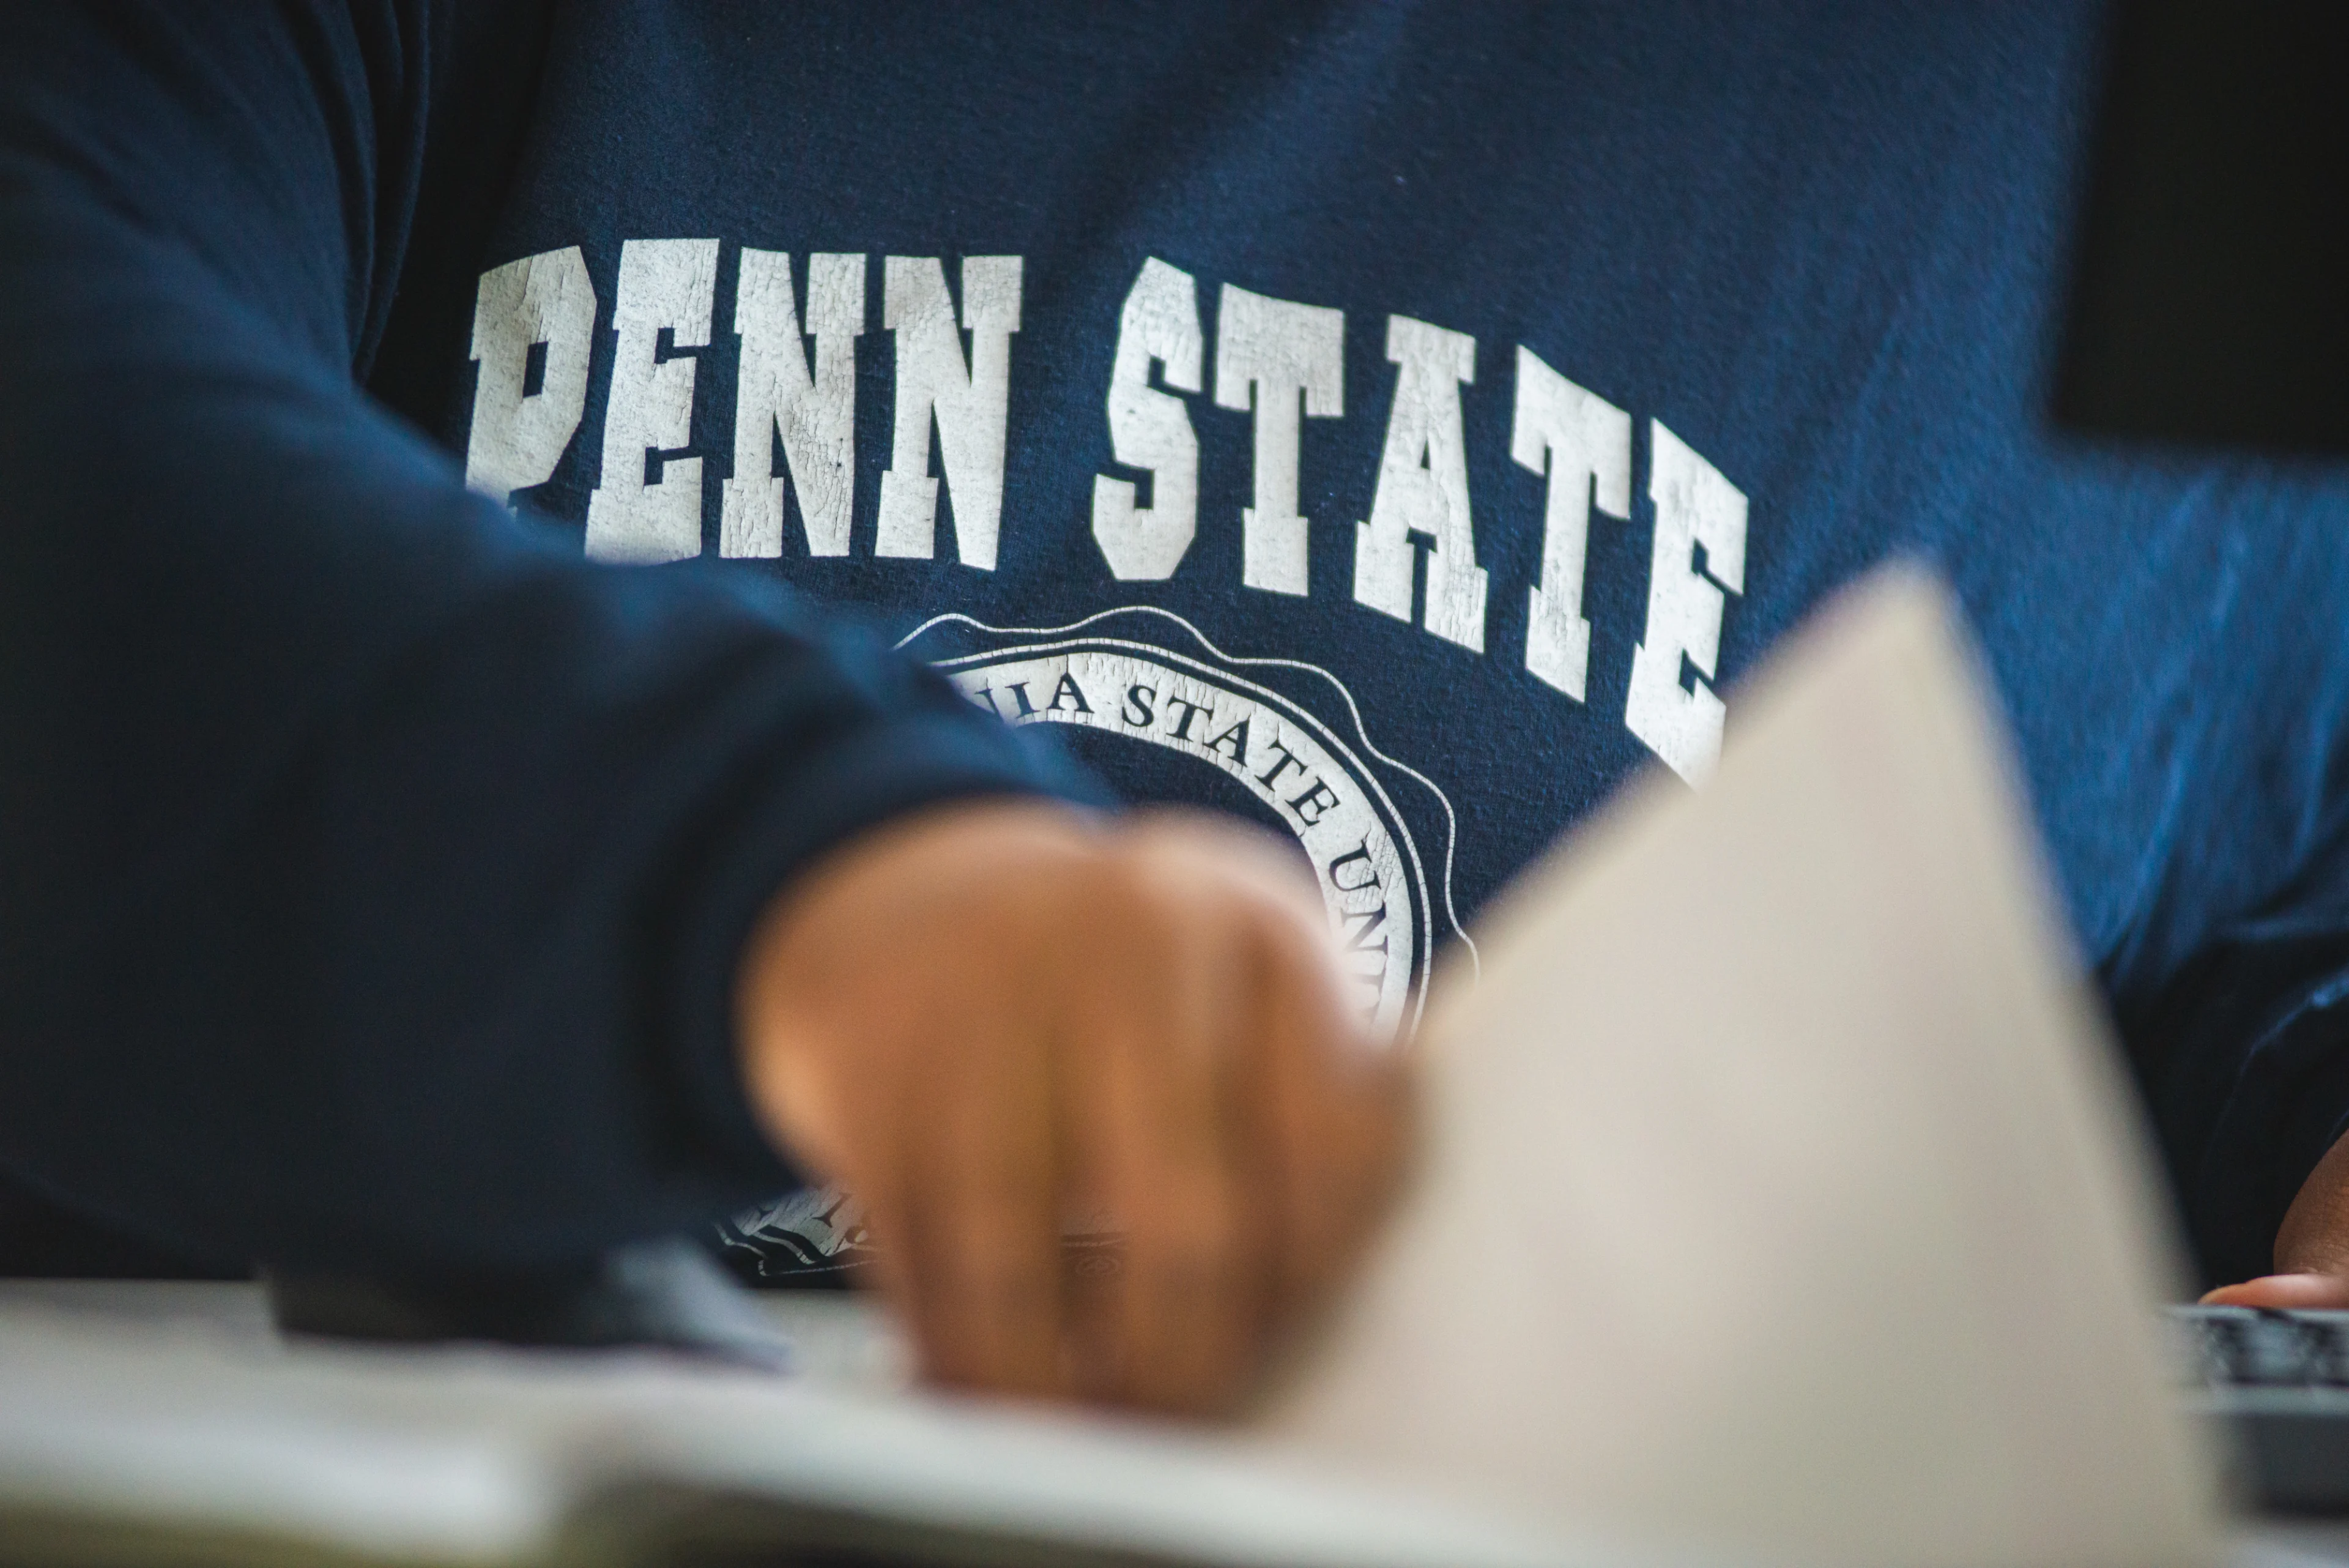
<point>991,1017</point>
<point>2312,1253</point>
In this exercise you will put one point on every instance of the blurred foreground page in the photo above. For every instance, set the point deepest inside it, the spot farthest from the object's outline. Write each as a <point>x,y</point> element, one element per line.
<point>1781,1186</point>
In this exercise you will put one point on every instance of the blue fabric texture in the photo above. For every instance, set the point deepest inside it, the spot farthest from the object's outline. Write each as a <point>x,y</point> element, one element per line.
<point>1595,347</point>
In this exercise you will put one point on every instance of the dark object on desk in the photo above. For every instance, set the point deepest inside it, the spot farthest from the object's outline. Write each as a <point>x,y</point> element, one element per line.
<point>2209,304</point>
<point>815,1240</point>
<point>2280,1380</point>
<point>810,1240</point>
<point>665,1295</point>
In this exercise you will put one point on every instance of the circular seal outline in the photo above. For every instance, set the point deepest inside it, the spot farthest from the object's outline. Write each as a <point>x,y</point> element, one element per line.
<point>1286,705</point>
<point>1397,831</point>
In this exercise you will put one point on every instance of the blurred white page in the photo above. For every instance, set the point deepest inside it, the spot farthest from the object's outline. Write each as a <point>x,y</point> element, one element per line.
<point>138,1437</point>
<point>1780,1185</point>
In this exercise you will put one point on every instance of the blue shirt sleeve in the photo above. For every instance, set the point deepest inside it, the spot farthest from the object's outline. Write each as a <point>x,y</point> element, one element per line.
<point>372,867</point>
<point>2244,1058</point>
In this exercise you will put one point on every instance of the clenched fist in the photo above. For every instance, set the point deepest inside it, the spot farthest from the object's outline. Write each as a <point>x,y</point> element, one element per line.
<point>988,1018</point>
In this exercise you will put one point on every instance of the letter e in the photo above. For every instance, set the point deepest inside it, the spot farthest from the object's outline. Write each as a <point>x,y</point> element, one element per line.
<point>1694,505</point>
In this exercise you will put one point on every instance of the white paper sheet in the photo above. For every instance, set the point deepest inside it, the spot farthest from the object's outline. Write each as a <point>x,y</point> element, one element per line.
<point>1780,1187</point>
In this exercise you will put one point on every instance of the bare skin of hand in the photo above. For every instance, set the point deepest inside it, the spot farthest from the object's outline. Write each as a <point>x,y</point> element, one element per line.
<point>2311,1252</point>
<point>989,1017</point>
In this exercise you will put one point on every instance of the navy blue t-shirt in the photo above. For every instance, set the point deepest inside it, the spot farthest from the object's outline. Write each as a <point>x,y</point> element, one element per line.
<point>1396,425</point>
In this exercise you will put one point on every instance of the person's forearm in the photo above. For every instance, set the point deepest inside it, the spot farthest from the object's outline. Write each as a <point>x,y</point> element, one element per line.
<point>372,867</point>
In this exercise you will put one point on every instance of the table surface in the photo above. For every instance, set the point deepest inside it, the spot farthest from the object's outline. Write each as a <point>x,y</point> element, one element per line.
<point>842,1340</point>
